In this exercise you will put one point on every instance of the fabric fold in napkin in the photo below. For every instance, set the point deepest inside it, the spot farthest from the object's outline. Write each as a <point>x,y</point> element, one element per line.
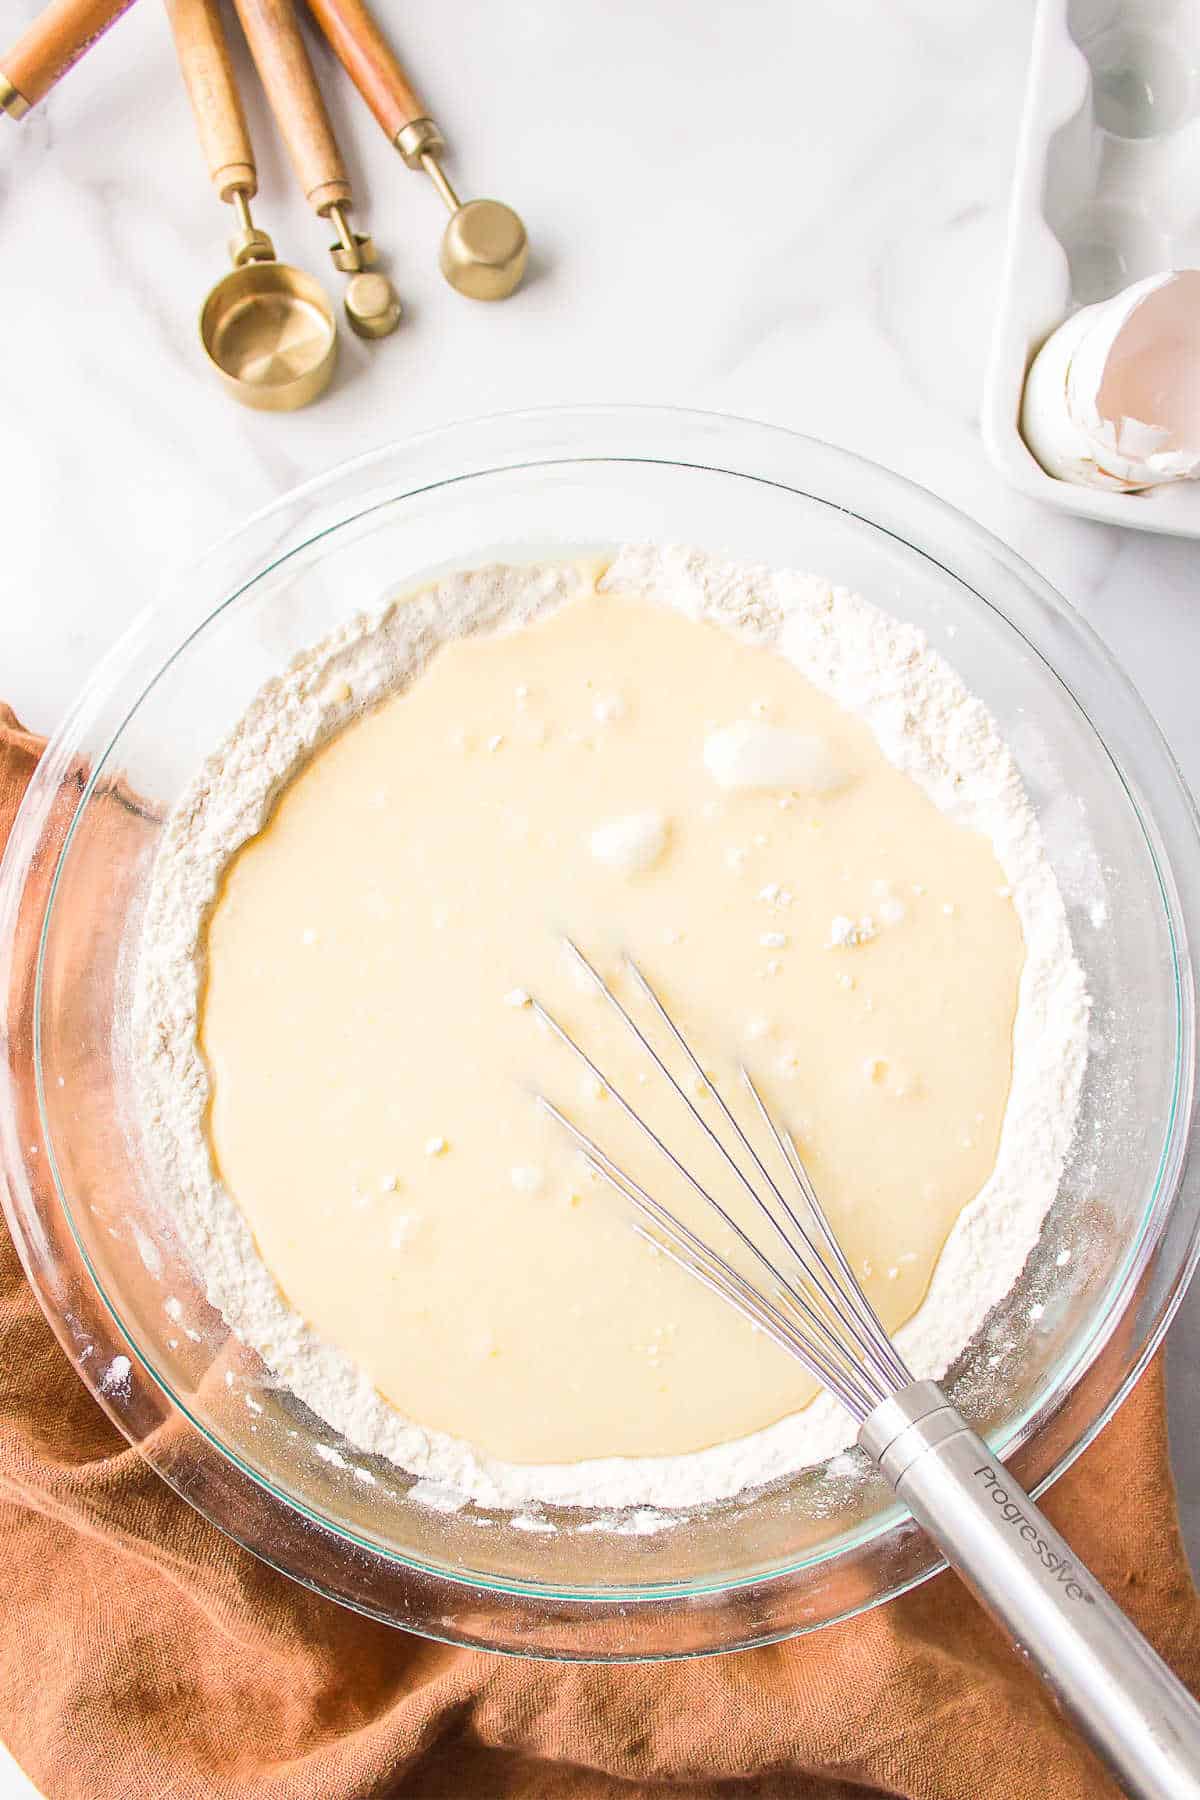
<point>144,1656</point>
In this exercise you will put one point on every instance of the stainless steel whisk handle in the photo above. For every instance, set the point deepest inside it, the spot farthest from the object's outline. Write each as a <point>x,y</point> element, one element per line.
<point>1120,1693</point>
<point>1122,1696</point>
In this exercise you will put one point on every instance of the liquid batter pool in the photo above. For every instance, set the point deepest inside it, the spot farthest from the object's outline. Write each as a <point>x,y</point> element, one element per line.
<point>640,779</point>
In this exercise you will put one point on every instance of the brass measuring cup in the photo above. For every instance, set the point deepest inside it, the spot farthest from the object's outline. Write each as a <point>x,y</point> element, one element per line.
<point>281,56</point>
<point>484,247</point>
<point>267,329</point>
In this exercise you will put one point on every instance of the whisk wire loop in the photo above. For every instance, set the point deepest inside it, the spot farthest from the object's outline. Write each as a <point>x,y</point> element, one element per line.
<point>606,1167</point>
<point>818,1315</point>
<point>881,1344</point>
<point>813,1267</point>
<point>676,1240</point>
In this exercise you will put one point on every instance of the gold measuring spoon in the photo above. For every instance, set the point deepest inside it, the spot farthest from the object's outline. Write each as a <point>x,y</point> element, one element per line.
<point>50,47</point>
<point>267,329</point>
<point>484,249</point>
<point>273,33</point>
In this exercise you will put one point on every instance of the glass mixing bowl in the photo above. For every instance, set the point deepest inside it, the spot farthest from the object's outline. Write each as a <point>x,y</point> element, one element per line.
<point>100,1247</point>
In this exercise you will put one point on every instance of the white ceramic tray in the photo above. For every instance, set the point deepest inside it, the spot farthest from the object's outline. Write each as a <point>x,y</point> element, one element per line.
<point>1107,190</point>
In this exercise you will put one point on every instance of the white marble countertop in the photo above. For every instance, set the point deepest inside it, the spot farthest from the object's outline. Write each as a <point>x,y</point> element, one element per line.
<point>791,212</point>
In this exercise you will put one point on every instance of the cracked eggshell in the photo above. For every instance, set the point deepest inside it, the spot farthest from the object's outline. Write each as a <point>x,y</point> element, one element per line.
<point>1113,397</point>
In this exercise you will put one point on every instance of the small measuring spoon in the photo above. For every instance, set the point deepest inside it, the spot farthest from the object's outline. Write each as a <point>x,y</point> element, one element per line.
<point>267,329</point>
<point>484,248</point>
<point>51,46</point>
<point>281,55</point>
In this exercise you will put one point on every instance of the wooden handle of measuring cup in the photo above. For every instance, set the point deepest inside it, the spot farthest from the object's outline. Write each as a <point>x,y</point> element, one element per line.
<point>51,46</point>
<point>370,62</point>
<point>273,33</point>
<point>203,52</point>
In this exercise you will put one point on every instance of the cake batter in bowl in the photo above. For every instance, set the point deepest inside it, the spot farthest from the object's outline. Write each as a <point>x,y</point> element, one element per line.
<point>1043,1371</point>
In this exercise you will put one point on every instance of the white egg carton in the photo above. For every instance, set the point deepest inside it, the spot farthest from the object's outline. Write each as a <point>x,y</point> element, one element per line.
<point>1107,190</point>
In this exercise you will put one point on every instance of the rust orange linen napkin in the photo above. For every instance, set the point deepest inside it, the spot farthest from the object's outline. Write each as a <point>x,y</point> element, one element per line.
<point>143,1655</point>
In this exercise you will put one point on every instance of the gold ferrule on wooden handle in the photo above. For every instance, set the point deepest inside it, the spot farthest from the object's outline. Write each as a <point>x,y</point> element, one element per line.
<point>51,46</point>
<point>281,56</point>
<point>421,143</point>
<point>203,52</point>
<point>11,102</point>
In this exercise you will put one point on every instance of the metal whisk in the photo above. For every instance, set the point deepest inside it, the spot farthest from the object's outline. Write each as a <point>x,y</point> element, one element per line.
<point>806,1298</point>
